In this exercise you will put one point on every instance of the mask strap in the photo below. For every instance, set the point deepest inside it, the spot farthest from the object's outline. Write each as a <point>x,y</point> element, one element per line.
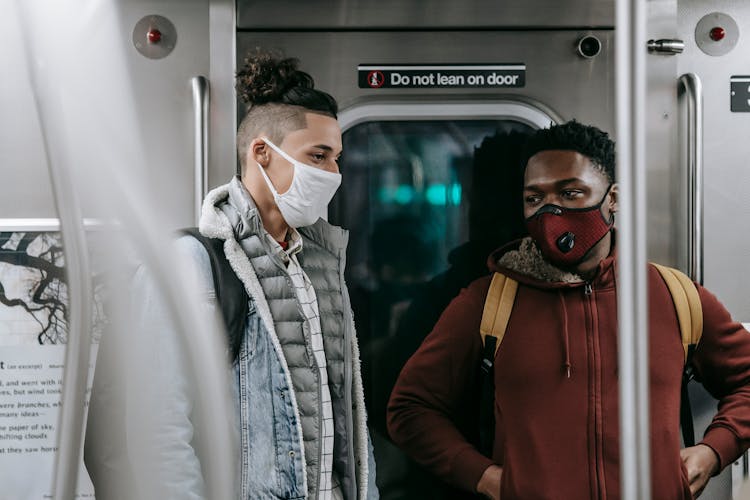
<point>280,151</point>
<point>611,220</point>
<point>268,180</point>
<point>283,155</point>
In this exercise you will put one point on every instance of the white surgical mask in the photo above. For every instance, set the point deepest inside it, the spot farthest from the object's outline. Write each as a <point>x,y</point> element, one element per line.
<point>307,198</point>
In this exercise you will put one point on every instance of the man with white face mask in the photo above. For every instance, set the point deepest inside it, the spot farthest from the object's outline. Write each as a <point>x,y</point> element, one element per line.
<point>298,386</point>
<point>274,268</point>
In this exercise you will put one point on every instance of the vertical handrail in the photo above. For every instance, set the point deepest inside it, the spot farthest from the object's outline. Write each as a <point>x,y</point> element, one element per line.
<point>200,120</point>
<point>80,294</point>
<point>630,93</point>
<point>78,347</point>
<point>694,90</point>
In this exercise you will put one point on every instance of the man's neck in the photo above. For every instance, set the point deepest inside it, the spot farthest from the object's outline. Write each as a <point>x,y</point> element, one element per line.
<point>270,216</point>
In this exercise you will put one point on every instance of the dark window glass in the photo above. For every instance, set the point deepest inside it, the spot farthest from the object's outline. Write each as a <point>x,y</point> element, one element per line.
<point>426,203</point>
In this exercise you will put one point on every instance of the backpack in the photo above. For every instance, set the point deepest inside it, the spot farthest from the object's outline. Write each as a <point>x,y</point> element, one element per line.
<point>496,314</point>
<point>231,295</point>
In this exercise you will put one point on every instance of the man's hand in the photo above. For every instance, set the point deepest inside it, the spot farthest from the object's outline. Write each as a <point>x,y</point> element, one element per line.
<point>701,463</point>
<point>489,483</point>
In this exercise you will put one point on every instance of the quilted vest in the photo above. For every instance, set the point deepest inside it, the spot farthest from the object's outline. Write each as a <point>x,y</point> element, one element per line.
<point>322,258</point>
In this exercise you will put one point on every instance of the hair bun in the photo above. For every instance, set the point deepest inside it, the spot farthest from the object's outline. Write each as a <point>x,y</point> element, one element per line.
<point>267,77</point>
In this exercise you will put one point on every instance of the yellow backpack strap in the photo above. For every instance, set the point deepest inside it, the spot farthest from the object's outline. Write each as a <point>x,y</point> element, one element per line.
<point>687,303</point>
<point>497,308</point>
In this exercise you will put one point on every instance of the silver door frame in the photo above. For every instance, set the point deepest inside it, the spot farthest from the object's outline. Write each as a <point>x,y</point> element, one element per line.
<point>530,114</point>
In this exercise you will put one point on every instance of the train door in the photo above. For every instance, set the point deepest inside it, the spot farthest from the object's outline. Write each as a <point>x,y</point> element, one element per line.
<point>434,110</point>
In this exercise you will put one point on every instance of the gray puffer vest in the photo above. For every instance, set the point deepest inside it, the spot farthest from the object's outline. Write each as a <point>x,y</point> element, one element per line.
<point>230,214</point>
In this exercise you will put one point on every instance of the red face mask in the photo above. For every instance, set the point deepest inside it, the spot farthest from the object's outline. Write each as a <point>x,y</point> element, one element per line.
<point>565,235</point>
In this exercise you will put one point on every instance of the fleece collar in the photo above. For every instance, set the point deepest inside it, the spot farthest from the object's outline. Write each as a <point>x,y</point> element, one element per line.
<point>527,260</point>
<point>245,219</point>
<point>523,261</point>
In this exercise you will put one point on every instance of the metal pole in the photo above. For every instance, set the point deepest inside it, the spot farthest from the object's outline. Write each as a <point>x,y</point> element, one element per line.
<point>630,54</point>
<point>78,347</point>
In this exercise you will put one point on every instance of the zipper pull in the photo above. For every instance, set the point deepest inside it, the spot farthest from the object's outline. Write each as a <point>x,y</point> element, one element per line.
<point>587,288</point>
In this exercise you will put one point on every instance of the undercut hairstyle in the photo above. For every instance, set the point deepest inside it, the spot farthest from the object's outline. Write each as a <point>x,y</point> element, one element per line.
<point>587,140</point>
<point>277,96</point>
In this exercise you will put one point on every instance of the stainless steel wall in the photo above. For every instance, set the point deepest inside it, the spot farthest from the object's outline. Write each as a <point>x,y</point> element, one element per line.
<point>660,120</point>
<point>557,78</point>
<point>164,100</point>
<point>163,106</point>
<point>726,150</point>
<point>332,14</point>
<point>25,189</point>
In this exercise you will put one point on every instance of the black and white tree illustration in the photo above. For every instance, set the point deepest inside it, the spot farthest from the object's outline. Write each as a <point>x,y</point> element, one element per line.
<point>34,290</point>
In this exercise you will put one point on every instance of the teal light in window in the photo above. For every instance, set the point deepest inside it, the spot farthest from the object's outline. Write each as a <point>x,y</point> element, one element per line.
<point>404,194</point>
<point>440,194</point>
<point>436,194</point>
<point>456,193</point>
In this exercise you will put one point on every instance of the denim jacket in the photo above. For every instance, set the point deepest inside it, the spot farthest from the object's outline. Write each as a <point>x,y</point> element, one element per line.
<point>272,462</point>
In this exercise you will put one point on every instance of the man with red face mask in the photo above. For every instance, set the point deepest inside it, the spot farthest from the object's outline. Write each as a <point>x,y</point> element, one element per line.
<point>555,373</point>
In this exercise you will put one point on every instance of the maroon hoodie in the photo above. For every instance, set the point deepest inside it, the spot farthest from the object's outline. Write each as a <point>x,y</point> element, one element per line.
<point>556,387</point>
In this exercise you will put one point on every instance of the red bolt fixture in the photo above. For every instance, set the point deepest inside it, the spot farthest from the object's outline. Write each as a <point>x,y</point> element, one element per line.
<point>718,33</point>
<point>153,35</point>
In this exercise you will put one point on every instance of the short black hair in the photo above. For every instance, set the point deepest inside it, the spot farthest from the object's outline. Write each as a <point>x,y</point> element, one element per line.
<point>587,140</point>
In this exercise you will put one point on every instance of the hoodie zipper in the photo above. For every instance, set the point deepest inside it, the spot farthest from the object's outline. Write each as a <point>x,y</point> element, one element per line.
<point>590,306</point>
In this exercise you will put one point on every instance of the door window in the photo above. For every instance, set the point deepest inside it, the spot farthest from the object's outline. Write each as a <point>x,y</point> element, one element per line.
<point>426,202</point>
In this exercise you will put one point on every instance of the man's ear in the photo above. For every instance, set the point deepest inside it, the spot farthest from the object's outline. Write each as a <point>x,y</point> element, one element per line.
<point>612,198</point>
<point>258,152</point>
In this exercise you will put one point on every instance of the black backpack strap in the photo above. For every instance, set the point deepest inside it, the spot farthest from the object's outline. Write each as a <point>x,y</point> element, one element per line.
<point>487,397</point>
<point>686,412</point>
<point>230,292</point>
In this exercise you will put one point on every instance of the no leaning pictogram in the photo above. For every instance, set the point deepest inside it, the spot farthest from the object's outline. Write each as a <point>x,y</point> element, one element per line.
<point>375,79</point>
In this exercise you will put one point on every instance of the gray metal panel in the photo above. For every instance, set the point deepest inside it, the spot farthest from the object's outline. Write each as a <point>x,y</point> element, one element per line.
<point>222,158</point>
<point>660,120</point>
<point>726,206</point>
<point>569,85</point>
<point>164,100</point>
<point>25,188</point>
<point>352,14</point>
<point>726,150</point>
<point>164,105</point>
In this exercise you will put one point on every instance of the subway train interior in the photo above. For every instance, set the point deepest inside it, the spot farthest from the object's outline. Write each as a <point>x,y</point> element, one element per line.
<point>117,117</point>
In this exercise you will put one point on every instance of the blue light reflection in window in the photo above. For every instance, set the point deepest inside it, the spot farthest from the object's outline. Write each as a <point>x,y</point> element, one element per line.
<point>435,194</point>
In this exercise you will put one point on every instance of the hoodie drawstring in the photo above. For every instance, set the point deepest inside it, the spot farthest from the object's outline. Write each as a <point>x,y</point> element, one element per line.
<point>566,337</point>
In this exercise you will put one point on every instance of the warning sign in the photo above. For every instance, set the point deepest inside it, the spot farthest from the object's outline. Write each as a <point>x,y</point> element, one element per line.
<point>456,76</point>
